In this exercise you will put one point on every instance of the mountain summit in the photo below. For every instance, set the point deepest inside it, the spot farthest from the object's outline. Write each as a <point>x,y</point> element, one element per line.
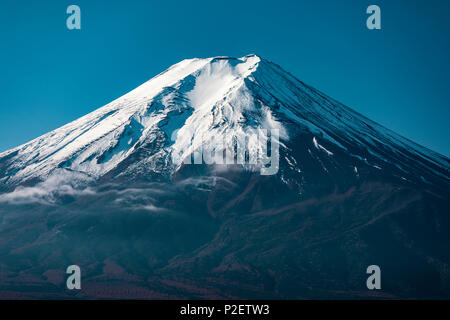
<point>198,101</point>
<point>225,177</point>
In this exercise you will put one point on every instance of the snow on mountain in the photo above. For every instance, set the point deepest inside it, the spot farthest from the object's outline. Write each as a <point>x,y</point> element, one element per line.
<point>113,192</point>
<point>209,103</point>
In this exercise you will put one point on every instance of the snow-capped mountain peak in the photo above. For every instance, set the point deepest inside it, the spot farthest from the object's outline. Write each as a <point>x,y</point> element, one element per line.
<point>210,103</point>
<point>97,142</point>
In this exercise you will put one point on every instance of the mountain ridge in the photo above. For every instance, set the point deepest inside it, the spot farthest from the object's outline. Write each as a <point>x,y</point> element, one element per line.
<point>190,92</point>
<point>113,193</point>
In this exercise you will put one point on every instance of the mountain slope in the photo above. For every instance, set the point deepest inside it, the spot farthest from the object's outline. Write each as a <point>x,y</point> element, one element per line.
<point>200,99</point>
<point>115,193</point>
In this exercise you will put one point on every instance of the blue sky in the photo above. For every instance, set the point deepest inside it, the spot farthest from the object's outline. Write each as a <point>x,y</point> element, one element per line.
<point>397,76</point>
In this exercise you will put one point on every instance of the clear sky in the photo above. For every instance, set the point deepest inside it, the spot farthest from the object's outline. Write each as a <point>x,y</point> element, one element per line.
<point>397,76</point>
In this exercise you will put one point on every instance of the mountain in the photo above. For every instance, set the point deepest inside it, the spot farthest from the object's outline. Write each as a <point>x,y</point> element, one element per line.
<point>225,178</point>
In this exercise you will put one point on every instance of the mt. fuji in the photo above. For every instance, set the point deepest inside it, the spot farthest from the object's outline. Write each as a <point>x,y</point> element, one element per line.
<point>117,193</point>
